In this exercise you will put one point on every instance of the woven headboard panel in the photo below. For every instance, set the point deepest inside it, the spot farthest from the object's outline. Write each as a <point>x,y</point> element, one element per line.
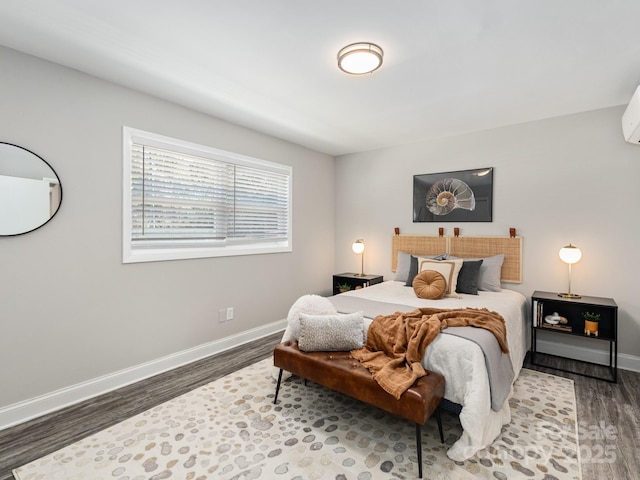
<point>416,245</point>
<point>464,247</point>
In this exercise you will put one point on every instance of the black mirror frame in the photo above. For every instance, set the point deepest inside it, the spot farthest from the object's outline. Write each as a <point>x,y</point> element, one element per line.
<point>59,183</point>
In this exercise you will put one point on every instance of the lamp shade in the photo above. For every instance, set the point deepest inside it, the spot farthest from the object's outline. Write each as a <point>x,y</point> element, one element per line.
<point>570,254</point>
<point>358,246</point>
<point>360,58</point>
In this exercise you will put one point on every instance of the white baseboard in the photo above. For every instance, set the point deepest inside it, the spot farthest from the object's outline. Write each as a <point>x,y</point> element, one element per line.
<point>50,402</point>
<point>35,407</point>
<point>601,356</point>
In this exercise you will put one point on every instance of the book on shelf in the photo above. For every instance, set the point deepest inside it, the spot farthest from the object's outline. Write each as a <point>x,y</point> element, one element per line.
<point>562,328</point>
<point>537,313</point>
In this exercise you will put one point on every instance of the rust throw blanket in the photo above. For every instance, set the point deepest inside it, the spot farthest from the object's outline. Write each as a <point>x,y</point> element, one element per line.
<point>396,343</point>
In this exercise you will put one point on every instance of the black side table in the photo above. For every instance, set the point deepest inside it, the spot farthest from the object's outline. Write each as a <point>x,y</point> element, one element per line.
<point>547,303</point>
<point>354,281</point>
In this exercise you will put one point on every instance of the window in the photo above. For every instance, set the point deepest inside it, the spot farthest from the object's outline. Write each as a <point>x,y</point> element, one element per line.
<point>183,200</point>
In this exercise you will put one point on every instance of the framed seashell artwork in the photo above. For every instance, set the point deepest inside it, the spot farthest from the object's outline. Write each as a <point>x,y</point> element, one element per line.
<point>462,196</point>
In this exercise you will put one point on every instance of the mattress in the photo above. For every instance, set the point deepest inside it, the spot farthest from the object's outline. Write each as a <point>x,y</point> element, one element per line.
<point>460,360</point>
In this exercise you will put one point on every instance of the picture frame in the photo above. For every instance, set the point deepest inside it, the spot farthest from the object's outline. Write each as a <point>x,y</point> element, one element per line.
<point>460,196</point>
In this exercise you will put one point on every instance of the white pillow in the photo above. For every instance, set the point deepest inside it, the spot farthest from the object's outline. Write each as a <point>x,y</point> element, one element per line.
<point>448,268</point>
<point>331,333</point>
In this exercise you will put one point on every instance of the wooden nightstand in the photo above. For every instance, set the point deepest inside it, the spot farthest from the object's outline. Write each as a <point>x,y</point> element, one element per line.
<point>354,281</point>
<point>546,303</point>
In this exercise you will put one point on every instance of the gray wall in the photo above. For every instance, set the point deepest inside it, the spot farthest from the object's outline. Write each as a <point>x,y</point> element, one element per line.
<point>70,311</point>
<point>569,179</point>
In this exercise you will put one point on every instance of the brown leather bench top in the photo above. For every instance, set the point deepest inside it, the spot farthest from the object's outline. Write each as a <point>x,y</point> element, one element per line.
<point>341,373</point>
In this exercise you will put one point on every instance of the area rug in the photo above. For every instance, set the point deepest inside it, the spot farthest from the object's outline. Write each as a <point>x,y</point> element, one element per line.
<point>230,429</point>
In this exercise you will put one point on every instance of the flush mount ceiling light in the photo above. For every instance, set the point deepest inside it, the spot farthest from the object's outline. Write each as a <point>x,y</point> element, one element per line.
<point>360,58</point>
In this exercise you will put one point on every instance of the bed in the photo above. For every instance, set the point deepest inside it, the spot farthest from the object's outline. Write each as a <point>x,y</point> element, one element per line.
<point>460,360</point>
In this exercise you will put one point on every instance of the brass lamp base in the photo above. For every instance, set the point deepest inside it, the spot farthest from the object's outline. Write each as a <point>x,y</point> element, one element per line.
<point>569,295</point>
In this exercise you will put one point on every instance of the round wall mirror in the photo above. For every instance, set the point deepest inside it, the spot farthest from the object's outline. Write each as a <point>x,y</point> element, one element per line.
<point>30,190</point>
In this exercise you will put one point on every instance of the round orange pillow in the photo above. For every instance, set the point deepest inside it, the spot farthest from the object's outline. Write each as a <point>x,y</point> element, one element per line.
<point>430,284</point>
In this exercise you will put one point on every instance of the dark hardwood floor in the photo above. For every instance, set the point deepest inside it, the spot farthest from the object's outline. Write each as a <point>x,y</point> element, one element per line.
<point>608,414</point>
<point>31,440</point>
<point>608,418</point>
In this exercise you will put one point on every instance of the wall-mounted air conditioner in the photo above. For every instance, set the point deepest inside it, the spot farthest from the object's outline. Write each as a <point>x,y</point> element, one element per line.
<point>631,119</point>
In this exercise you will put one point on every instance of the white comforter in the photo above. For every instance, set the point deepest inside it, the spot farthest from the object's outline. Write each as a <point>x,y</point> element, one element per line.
<point>462,361</point>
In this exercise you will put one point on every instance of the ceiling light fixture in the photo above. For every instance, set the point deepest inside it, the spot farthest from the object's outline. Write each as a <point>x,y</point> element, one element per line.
<point>360,58</point>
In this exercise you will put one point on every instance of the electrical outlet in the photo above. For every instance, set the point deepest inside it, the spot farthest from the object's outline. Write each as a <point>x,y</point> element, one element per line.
<point>229,313</point>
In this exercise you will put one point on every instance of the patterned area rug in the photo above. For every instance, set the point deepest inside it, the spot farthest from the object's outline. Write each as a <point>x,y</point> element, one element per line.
<point>230,429</point>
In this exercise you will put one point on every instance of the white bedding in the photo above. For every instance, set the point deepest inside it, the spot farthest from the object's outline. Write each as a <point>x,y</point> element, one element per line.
<point>462,361</point>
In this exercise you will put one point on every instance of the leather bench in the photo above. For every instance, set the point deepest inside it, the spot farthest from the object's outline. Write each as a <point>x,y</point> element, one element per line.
<point>341,373</point>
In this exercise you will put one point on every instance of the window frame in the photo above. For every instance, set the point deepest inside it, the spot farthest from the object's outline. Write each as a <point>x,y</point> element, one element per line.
<point>153,251</point>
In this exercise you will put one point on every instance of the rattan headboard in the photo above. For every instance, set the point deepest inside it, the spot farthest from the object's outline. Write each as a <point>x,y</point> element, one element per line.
<point>464,247</point>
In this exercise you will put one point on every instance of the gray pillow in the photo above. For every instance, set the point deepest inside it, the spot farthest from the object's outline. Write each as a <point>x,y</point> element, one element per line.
<point>469,276</point>
<point>413,271</point>
<point>311,304</point>
<point>402,266</point>
<point>489,277</point>
<point>331,333</point>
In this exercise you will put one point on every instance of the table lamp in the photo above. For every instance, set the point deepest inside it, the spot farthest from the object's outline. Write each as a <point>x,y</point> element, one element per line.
<point>569,255</point>
<point>358,248</point>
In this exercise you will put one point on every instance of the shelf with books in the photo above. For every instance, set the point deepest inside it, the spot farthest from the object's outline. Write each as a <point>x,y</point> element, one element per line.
<point>569,316</point>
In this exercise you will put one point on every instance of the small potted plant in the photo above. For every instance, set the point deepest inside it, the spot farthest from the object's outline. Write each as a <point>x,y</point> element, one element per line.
<point>344,287</point>
<point>591,320</point>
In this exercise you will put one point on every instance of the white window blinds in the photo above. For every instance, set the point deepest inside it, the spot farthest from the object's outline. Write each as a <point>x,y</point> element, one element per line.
<point>201,201</point>
<point>179,196</point>
<point>261,207</point>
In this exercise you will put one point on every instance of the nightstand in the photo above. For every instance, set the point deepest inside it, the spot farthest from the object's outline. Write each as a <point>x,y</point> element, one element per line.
<point>572,309</point>
<point>354,281</point>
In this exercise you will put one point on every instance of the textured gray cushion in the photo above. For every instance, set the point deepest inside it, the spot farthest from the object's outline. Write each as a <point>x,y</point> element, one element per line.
<point>331,333</point>
<point>310,304</point>
<point>468,277</point>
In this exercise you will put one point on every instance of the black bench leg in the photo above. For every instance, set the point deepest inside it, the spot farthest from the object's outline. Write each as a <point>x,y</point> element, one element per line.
<point>419,448</point>
<point>439,420</point>
<point>419,439</point>
<point>277,387</point>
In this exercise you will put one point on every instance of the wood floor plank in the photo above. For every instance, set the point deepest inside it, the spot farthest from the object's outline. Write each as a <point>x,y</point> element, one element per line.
<point>600,404</point>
